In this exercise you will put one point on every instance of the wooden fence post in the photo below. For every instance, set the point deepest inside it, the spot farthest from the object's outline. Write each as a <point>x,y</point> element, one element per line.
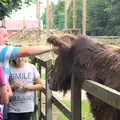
<point>75,100</point>
<point>34,113</point>
<point>48,93</point>
<point>39,94</point>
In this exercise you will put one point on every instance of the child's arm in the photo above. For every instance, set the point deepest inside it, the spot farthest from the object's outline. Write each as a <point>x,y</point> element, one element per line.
<point>3,88</point>
<point>37,86</point>
<point>3,95</point>
<point>9,91</point>
<point>38,82</point>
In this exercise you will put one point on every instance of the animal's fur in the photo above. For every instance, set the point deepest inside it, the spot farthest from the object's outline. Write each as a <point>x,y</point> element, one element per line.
<point>86,59</point>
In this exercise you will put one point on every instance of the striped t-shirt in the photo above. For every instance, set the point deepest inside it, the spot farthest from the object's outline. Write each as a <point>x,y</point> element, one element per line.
<point>7,53</point>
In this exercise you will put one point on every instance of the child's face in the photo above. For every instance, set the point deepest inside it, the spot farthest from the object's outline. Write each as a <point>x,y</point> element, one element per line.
<point>20,61</point>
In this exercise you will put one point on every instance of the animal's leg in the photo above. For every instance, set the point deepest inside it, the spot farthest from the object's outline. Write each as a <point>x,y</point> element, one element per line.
<point>101,110</point>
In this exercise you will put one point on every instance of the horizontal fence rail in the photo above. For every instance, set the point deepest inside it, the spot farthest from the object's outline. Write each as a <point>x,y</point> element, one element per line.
<point>106,37</point>
<point>104,93</point>
<point>61,107</point>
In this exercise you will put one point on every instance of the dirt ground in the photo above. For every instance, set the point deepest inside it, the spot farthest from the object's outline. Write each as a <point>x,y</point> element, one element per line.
<point>60,96</point>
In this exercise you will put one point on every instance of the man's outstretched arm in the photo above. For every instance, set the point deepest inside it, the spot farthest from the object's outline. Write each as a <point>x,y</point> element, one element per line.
<point>27,51</point>
<point>9,52</point>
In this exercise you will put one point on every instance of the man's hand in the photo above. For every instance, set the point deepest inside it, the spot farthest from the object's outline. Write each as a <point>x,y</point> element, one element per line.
<point>3,95</point>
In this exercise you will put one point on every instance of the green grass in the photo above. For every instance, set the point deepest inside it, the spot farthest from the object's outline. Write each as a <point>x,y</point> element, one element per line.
<point>43,76</point>
<point>86,115</point>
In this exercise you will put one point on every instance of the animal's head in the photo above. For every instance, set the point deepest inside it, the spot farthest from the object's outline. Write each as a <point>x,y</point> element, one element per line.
<point>60,76</point>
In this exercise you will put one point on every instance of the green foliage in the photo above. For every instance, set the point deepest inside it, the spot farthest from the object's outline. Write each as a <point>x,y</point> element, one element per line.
<point>103,16</point>
<point>44,19</point>
<point>97,17</point>
<point>7,6</point>
<point>86,114</point>
<point>58,15</point>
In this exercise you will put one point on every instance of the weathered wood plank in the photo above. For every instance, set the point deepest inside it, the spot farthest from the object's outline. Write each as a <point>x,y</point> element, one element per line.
<point>61,107</point>
<point>75,100</point>
<point>48,109</point>
<point>39,105</point>
<point>104,93</point>
<point>44,91</point>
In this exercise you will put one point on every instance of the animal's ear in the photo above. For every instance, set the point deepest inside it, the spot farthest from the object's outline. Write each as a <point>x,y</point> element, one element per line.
<point>54,40</point>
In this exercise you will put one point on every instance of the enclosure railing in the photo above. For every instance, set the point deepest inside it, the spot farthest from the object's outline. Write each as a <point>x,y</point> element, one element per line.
<point>51,99</point>
<point>106,94</point>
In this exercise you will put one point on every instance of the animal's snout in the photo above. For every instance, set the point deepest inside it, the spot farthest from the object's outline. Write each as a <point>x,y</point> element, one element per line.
<point>52,84</point>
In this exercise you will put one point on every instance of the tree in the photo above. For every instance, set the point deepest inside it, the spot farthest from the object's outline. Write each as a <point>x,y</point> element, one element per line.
<point>44,19</point>
<point>97,17</point>
<point>103,16</point>
<point>59,13</point>
<point>113,26</point>
<point>7,6</point>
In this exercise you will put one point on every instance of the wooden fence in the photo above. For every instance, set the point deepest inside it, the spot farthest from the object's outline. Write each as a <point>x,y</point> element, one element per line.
<point>108,95</point>
<point>74,114</point>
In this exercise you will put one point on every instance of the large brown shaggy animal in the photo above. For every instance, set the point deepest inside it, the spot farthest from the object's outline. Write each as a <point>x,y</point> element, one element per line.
<point>86,59</point>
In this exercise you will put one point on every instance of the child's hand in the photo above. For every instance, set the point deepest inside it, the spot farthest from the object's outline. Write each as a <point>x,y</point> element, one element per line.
<point>17,84</point>
<point>3,95</point>
<point>28,87</point>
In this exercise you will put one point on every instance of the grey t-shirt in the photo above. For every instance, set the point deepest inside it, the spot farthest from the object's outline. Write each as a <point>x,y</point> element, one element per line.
<point>22,101</point>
